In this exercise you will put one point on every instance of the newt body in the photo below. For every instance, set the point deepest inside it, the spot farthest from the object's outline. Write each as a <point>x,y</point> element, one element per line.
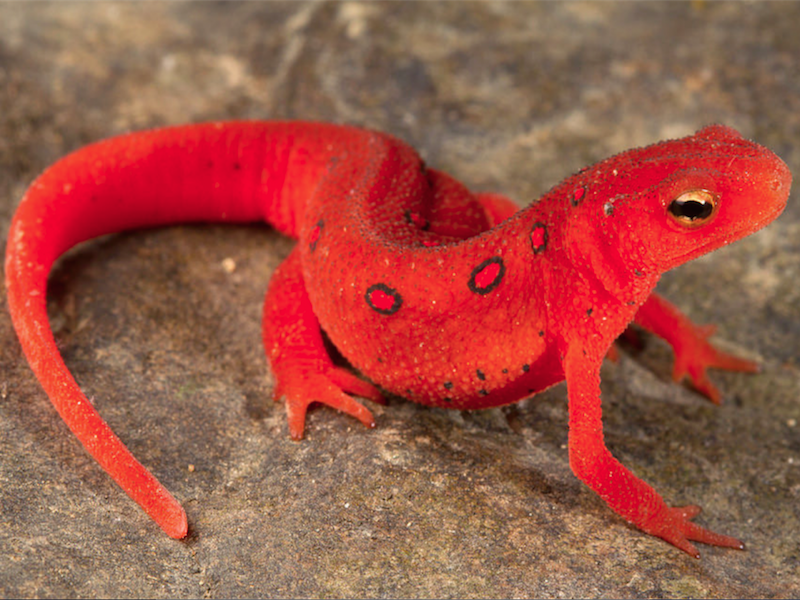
<point>445,297</point>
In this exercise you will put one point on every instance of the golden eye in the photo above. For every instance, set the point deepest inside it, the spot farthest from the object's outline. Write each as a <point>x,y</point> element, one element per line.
<point>693,208</point>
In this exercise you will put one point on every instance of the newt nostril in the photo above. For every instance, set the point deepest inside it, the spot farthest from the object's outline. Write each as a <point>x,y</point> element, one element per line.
<point>784,181</point>
<point>780,180</point>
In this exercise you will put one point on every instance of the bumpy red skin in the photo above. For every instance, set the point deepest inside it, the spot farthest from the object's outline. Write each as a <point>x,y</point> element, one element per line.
<point>434,293</point>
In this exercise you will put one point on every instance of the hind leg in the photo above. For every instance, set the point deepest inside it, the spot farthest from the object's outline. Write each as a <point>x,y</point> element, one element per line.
<point>303,370</point>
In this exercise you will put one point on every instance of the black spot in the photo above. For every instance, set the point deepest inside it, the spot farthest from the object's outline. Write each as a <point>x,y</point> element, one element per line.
<point>477,282</point>
<point>480,374</point>
<point>448,385</point>
<point>483,393</point>
<point>447,399</point>
<point>379,296</point>
<point>589,312</point>
<point>578,194</point>
<point>539,237</point>
<point>315,235</point>
<point>526,368</point>
<point>417,220</point>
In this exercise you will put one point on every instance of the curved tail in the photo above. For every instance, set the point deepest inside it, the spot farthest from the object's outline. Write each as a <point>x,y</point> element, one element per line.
<point>232,172</point>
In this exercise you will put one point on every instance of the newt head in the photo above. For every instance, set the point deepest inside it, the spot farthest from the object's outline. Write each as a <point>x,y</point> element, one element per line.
<point>734,189</point>
<point>671,202</point>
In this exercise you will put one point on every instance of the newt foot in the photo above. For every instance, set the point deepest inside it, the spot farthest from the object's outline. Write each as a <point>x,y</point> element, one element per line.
<point>697,354</point>
<point>677,528</point>
<point>332,389</point>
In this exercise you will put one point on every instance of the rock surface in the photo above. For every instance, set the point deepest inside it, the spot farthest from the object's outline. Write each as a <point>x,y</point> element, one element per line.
<point>166,339</point>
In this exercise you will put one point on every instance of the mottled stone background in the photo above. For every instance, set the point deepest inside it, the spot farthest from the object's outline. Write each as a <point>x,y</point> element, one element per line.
<point>506,96</point>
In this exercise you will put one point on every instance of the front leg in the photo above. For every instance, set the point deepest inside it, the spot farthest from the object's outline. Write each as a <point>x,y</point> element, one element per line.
<point>693,352</point>
<point>626,494</point>
<point>303,371</point>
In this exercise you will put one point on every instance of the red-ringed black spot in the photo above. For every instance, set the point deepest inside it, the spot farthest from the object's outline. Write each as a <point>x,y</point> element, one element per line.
<point>480,375</point>
<point>417,220</point>
<point>313,237</point>
<point>577,195</point>
<point>383,299</point>
<point>487,275</point>
<point>448,385</point>
<point>539,237</point>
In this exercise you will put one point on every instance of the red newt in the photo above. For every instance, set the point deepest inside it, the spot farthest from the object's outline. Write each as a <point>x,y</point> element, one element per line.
<point>431,292</point>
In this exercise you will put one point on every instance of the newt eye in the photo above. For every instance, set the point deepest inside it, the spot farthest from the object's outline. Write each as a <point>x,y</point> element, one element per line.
<point>693,208</point>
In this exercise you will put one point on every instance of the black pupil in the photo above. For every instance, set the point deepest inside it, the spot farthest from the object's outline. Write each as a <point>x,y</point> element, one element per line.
<point>691,209</point>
